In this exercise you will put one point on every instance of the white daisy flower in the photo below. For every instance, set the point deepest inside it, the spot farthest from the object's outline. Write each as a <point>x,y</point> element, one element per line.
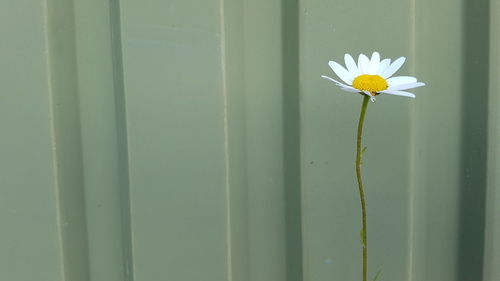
<point>372,76</point>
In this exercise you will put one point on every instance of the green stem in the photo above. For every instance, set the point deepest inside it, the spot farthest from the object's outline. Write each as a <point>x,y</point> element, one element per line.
<point>360,183</point>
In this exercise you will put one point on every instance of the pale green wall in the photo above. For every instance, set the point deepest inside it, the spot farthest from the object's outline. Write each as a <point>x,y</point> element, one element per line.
<point>195,140</point>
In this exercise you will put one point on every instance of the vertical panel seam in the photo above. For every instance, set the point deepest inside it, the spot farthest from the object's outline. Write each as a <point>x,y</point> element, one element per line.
<point>53,140</point>
<point>489,254</point>
<point>226,140</point>
<point>121,119</point>
<point>413,153</point>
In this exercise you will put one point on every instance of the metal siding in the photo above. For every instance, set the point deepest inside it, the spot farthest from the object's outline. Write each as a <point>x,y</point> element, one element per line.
<point>195,140</point>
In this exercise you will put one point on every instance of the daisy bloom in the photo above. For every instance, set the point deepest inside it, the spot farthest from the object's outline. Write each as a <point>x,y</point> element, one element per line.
<point>373,76</point>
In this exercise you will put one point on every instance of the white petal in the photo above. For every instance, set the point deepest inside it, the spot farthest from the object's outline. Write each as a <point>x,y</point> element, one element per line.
<point>406,86</point>
<point>363,63</point>
<point>393,81</point>
<point>395,66</point>
<point>350,89</point>
<point>383,66</point>
<point>351,65</point>
<point>341,72</point>
<point>335,81</point>
<point>374,63</point>
<point>399,93</point>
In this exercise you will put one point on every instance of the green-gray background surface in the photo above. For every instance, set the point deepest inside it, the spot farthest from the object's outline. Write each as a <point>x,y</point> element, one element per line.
<point>194,140</point>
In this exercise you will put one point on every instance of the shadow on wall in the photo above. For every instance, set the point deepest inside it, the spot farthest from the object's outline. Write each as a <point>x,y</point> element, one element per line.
<point>474,140</point>
<point>291,145</point>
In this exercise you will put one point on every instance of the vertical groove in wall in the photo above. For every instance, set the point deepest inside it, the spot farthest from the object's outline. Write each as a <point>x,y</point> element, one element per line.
<point>291,125</point>
<point>232,79</point>
<point>412,146</point>
<point>474,145</point>
<point>54,162</point>
<point>229,259</point>
<point>121,118</point>
<point>491,270</point>
<point>65,115</point>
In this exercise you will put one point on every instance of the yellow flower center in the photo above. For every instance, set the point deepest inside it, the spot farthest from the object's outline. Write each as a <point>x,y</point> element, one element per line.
<point>370,83</point>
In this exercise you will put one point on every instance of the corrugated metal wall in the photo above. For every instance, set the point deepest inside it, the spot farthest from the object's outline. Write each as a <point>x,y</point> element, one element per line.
<point>195,140</point>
